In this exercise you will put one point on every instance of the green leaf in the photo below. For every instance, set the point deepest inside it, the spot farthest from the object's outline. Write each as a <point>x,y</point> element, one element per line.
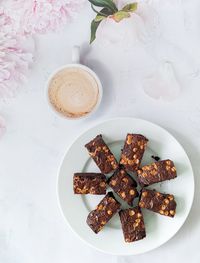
<point>99,18</point>
<point>105,3</point>
<point>104,12</point>
<point>94,26</point>
<point>130,7</point>
<point>118,16</point>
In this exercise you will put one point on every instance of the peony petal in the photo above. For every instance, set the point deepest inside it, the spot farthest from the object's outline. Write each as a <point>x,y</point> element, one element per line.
<point>162,83</point>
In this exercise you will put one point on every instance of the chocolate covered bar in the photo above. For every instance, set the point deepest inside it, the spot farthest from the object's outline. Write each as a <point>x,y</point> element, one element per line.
<point>133,151</point>
<point>89,183</point>
<point>123,185</point>
<point>163,204</point>
<point>102,155</point>
<point>156,172</point>
<point>103,213</point>
<point>132,224</point>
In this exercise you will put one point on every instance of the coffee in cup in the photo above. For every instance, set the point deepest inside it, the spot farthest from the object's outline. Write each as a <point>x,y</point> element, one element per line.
<point>73,92</point>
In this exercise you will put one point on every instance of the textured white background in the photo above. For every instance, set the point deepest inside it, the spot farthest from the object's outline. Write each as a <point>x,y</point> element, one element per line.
<point>32,229</point>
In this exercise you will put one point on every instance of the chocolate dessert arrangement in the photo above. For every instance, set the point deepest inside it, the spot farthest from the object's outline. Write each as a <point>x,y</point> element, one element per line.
<point>133,151</point>
<point>89,183</point>
<point>132,224</point>
<point>156,172</point>
<point>102,155</point>
<point>104,211</point>
<point>164,204</point>
<point>124,186</point>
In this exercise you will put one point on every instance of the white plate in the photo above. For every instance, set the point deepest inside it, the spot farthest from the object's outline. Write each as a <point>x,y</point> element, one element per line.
<point>159,229</point>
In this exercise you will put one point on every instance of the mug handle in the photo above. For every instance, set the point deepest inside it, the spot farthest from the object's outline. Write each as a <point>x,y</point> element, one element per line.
<point>76,55</point>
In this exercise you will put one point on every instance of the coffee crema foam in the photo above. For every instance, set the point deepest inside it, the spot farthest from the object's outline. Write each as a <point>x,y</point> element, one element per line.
<point>74,92</point>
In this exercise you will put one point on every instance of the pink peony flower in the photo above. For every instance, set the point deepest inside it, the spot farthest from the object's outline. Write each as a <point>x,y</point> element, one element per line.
<point>140,28</point>
<point>15,57</point>
<point>41,16</point>
<point>49,15</point>
<point>18,20</point>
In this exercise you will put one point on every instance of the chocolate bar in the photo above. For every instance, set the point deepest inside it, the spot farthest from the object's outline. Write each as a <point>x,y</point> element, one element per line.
<point>123,185</point>
<point>103,213</point>
<point>89,183</point>
<point>132,153</point>
<point>102,155</point>
<point>164,204</point>
<point>132,224</point>
<point>156,172</point>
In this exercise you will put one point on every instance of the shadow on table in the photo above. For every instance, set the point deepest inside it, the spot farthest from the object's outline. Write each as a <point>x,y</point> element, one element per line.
<point>104,76</point>
<point>193,153</point>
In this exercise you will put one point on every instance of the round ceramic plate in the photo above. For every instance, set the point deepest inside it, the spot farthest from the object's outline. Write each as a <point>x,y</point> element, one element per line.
<point>159,229</point>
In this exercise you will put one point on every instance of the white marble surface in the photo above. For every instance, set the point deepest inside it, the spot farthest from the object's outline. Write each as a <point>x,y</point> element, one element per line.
<point>31,226</point>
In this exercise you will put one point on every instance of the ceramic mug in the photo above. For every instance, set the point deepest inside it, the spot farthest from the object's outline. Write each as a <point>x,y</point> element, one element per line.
<point>76,64</point>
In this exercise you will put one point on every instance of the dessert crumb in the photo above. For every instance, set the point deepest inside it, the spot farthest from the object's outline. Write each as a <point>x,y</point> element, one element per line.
<point>156,158</point>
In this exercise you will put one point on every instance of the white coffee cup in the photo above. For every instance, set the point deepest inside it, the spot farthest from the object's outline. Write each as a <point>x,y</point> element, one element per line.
<point>77,65</point>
